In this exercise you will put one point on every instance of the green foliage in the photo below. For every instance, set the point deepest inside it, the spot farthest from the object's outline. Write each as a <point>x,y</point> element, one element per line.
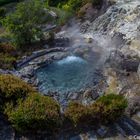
<point>2,2</point>
<point>2,12</point>
<point>105,110</point>
<point>7,56</point>
<point>24,23</point>
<point>12,88</point>
<point>76,113</point>
<point>6,61</point>
<point>6,48</point>
<point>72,5</point>
<point>27,110</point>
<point>37,112</point>
<point>55,2</point>
<point>108,108</point>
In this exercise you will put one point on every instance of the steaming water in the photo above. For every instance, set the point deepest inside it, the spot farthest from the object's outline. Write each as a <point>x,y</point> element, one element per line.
<point>69,74</point>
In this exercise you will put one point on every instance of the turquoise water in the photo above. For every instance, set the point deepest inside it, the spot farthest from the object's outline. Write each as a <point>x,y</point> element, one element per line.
<point>69,74</point>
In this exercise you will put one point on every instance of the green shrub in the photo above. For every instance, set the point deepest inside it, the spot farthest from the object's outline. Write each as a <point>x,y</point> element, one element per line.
<point>2,12</point>
<point>55,2</point>
<point>105,110</point>
<point>12,88</point>
<point>8,55</point>
<point>7,48</point>
<point>24,23</point>
<point>2,2</point>
<point>36,112</point>
<point>76,113</point>
<point>6,61</point>
<point>108,108</point>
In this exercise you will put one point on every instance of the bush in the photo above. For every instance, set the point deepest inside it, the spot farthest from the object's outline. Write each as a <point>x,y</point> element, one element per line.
<point>2,12</point>
<point>8,55</point>
<point>76,113</point>
<point>6,61</point>
<point>12,88</point>
<point>37,112</point>
<point>2,2</point>
<point>105,110</point>
<point>24,23</point>
<point>7,48</point>
<point>108,108</point>
<point>55,2</point>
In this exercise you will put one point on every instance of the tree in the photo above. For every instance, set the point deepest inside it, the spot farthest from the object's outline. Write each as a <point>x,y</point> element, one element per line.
<point>24,23</point>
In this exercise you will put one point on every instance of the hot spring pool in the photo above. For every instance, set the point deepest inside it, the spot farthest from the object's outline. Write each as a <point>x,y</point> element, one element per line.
<point>67,75</point>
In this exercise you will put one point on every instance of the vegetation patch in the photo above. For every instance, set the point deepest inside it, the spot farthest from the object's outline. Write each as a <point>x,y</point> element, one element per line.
<point>77,113</point>
<point>105,110</point>
<point>29,111</point>
<point>12,88</point>
<point>108,108</point>
<point>3,2</point>
<point>24,24</point>
<point>35,113</point>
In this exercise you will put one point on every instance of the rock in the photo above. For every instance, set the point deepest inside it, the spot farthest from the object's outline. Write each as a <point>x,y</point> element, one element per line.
<point>130,65</point>
<point>90,93</point>
<point>85,136</point>
<point>138,71</point>
<point>102,131</point>
<point>89,40</point>
<point>27,72</point>
<point>133,105</point>
<point>88,12</point>
<point>73,96</point>
<point>135,46</point>
<point>6,131</point>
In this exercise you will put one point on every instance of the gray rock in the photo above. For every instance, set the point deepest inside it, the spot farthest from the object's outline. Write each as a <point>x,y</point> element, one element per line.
<point>102,131</point>
<point>138,71</point>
